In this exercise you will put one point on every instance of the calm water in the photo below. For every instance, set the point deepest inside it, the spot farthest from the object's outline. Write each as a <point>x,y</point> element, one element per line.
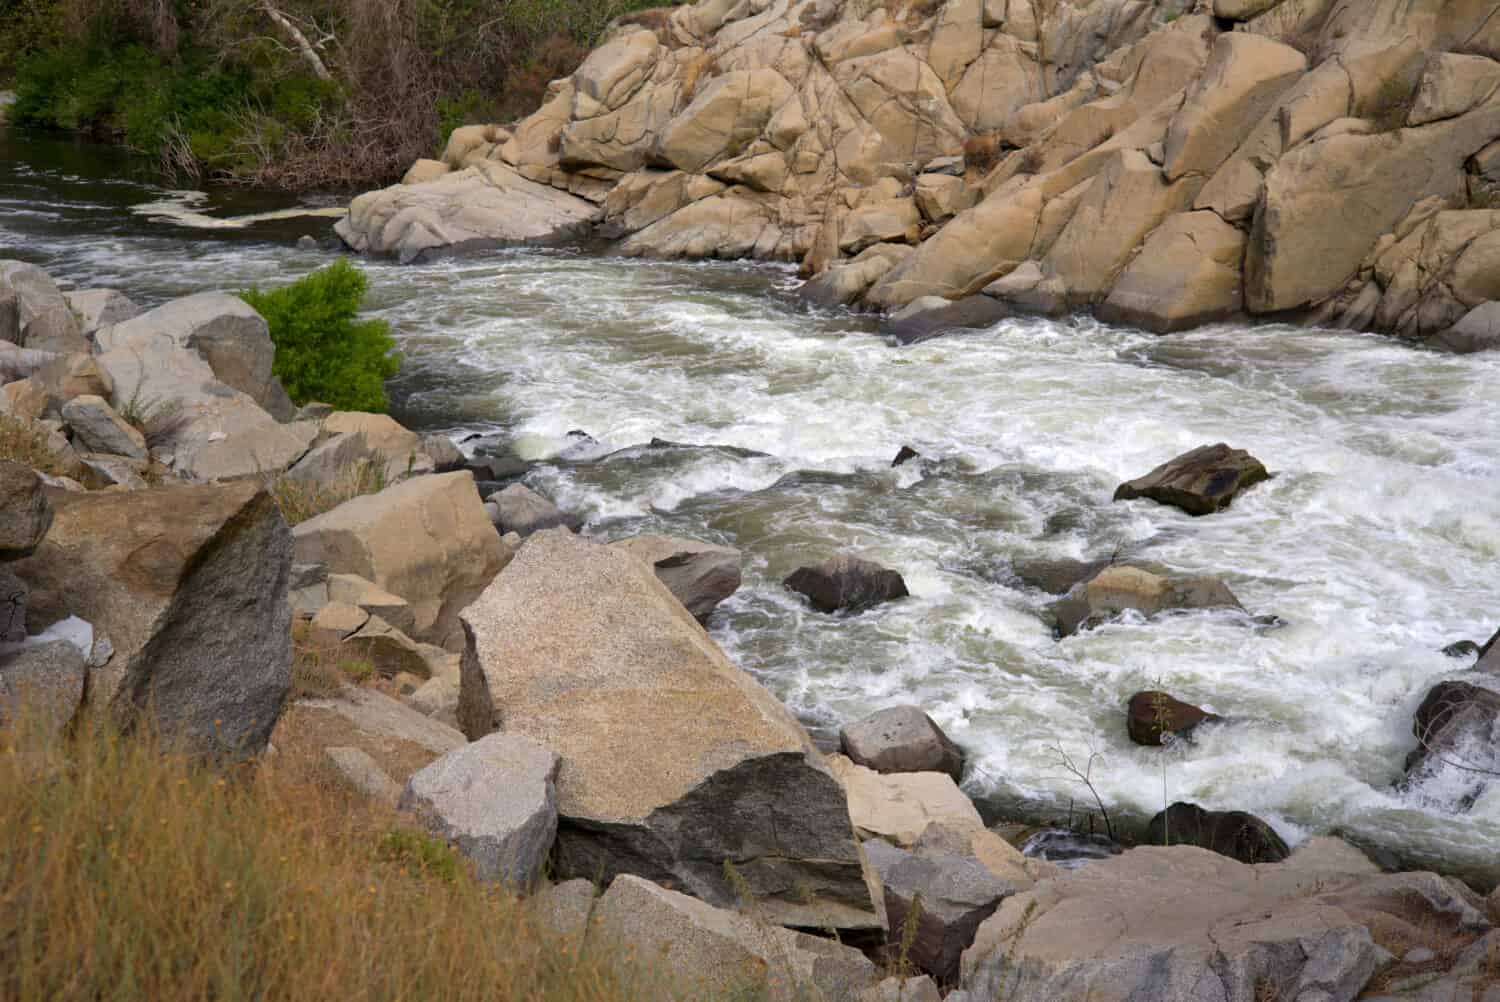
<point>1377,542</point>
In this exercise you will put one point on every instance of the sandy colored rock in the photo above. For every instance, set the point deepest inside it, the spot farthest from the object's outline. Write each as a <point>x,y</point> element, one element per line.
<point>427,540</point>
<point>34,313</point>
<point>69,376</point>
<point>1477,330</point>
<point>190,586</point>
<point>1120,588</point>
<point>580,647</point>
<point>1186,274</point>
<point>363,773</point>
<point>1452,85</point>
<point>25,512</point>
<point>398,739</point>
<point>701,575</point>
<point>423,171</point>
<point>96,308</point>
<point>899,807</point>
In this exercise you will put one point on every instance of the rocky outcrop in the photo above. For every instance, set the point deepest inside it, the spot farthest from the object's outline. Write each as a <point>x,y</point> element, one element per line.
<point>1199,482</point>
<point>847,584</point>
<point>1120,588</point>
<point>701,575</point>
<point>189,585</point>
<point>1184,923</point>
<point>426,540</point>
<point>1164,164</point>
<point>674,761</point>
<point>901,739</point>
<point>496,800</point>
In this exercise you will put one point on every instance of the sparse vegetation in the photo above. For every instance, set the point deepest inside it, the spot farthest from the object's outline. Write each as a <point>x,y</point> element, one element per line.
<point>131,872</point>
<point>322,351</point>
<point>1391,104</point>
<point>24,442</point>
<point>300,500</point>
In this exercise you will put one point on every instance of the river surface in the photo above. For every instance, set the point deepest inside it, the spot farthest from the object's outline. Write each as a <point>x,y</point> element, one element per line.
<point>1377,541</point>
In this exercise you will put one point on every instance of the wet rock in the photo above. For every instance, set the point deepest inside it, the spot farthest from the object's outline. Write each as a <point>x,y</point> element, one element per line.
<point>521,510</point>
<point>1234,834</point>
<point>930,317</point>
<point>1119,588</point>
<point>1462,649</point>
<point>190,585</point>
<point>1199,482</point>
<point>496,800</point>
<point>426,539</point>
<point>847,583</point>
<point>701,575</point>
<point>1056,576</point>
<point>25,512</point>
<point>1152,716</point>
<point>676,760</point>
<point>901,739</point>
<point>899,807</point>
<point>1477,330</point>
<point>446,457</point>
<point>1069,849</point>
<point>1456,727</point>
<point>719,953</point>
<point>905,454</point>
<point>955,896</point>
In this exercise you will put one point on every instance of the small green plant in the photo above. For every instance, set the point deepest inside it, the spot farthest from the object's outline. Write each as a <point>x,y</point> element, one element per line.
<point>1391,104</point>
<point>157,420</point>
<point>322,351</point>
<point>909,924</point>
<point>417,854</point>
<point>357,670</point>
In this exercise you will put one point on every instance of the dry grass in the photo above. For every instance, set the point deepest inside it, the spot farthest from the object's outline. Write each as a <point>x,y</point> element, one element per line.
<point>129,872</point>
<point>982,152</point>
<point>1439,935</point>
<point>320,670</point>
<point>24,442</point>
<point>300,500</point>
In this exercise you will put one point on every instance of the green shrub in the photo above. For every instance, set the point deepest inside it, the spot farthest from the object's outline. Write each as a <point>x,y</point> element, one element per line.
<point>322,352</point>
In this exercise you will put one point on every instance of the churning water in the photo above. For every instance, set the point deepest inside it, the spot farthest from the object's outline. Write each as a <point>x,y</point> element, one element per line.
<point>1377,542</point>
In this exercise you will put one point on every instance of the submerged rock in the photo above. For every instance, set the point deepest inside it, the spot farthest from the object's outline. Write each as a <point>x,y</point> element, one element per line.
<point>1199,482</point>
<point>1456,727</point>
<point>1153,716</point>
<point>932,317</point>
<point>1234,834</point>
<point>846,583</point>
<point>1120,588</point>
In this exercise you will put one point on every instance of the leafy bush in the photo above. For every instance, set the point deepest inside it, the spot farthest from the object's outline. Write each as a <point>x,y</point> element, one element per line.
<point>322,352</point>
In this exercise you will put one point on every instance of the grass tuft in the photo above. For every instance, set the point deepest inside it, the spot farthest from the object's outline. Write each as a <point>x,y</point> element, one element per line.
<point>25,443</point>
<point>300,500</point>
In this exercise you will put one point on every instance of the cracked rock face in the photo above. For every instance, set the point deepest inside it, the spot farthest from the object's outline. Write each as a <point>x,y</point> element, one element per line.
<point>674,761</point>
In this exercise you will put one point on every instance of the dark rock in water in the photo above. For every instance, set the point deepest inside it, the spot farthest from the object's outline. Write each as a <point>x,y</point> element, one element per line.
<point>956,894</point>
<point>1462,649</point>
<point>701,575</point>
<point>306,242</point>
<point>521,510</point>
<point>1069,849</point>
<point>1199,482</point>
<point>1152,715</point>
<point>845,582</point>
<point>901,739</point>
<point>662,444</point>
<point>1056,576</point>
<point>1453,713</point>
<point>497,469</point>
<point>1119,588</point>
<point>1234,834</point>
<point>1489,654</point>
<point>970,312</point>
<point>907,452</point>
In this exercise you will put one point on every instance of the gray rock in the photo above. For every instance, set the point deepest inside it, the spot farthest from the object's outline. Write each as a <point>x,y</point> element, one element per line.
<point>1456,727</point>
<point>96,424</point>
<point>952,894</point>
<point>701,575</point>
<point>13,592</point>
<point>846,583</point>
<point>446,456</point>
<point>901,739</point>
<point>96,308</point>
<point>676,759</point>
<point>1235,834</point>
<point>22,363</point>
<point>1200,482</point>
<point>48,678</point>
<point>229,335</point>
<point>521,510</point>
<point>716,953</point>
<point>364,774</point>
<point>930,320</point>
<point>496,799</point>
<point>1477,330</point>
<point>115,470</point>
<point>564,908</point>
<point>920,989</point>
<point>190,585</point>
<point>34,312</point>
<point>25,512</point>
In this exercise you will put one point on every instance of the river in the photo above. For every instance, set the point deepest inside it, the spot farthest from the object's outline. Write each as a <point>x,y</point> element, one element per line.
<point>1376,543</point>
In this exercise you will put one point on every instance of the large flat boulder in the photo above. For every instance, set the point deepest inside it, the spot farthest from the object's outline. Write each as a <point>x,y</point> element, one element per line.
<point>900,807</point>
<point>1187,273</point>
<point>701,575</point>
<point>189,585</point>
<point>426,540</point>
<point>1189,925</point>
<point>675,762</point>
<point>496,800</point>
<point>688,950</point>
<point>482,206</point>
<point>228,334</point>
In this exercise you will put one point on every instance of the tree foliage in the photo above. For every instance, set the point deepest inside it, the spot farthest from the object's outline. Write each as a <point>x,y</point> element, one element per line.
<point>322,351</point>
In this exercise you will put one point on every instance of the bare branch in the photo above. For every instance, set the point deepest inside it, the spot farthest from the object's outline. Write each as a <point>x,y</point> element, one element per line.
<point>309,54</point>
